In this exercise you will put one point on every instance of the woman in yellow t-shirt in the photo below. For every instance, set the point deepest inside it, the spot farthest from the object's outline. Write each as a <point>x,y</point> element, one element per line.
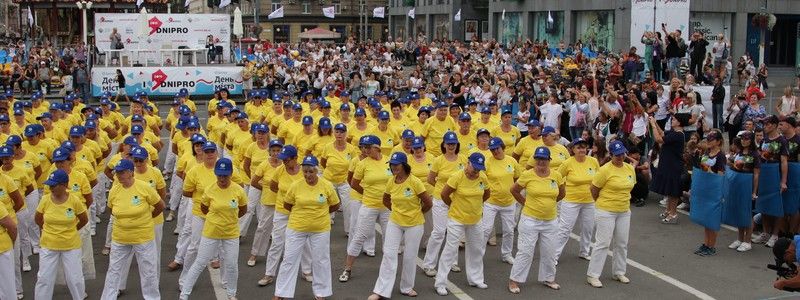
<point>502,170</point>
<point>558,153</point>
<point>408,199</point>
<point>578,172</point>
<point>310,201</point>
<point>544,188</point>
<point>611,189</point>
<point>184,218</point>
<point>223,203</point>
<point>60,215</point>
<point>370,178</point>
<point>465,193</point>
<point>253,155</point>
<point>335,159</point>
<point>443,168</point>
<point>265,210</point>
<point>506,131</point>
<point>133,204</point>
<point>8,233</point>
<point>324,136</point>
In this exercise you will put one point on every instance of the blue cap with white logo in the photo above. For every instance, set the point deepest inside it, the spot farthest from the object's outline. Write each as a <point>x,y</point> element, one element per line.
<point>310,160</point>
<point>223,167</point>
<point>57,177</point>
<point>398,158</point>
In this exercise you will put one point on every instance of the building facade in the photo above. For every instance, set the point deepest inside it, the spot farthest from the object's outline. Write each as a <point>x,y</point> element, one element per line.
<point>435,19</point>
<point>609,24</point>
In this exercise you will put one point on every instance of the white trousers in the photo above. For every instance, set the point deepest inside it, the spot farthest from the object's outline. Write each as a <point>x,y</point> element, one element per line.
<point>506,220</point>
<point>196,233</point>
<point>568,214</point>
<point>123,282</point>
<point>438,233</point>
<point>8,289</point>
<point>184,227</point>
<point>365,228</point>
<point>532,230</point>
<point>610,227</point>
<point>353,209</point>
<point>473,254</point>
<point>411,235</point>
<point>87,259</point>
<point>321,266</point>
<point>16,252</point>
<point>145,259</point>
<point>343,190</point>
<point>276,249</point>
<point>175,192</point>
<point>169,163</point>
<point>27,230</point>
<point>49,262</point>
<point>99,199</point>
<point>263,229</point>
<point>253,201</point>
<point>207,251</point>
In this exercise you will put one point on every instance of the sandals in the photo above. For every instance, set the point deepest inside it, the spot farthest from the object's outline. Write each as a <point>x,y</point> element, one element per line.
<point>514,290</point>
<point>411,293</point>
<point>670,220</point>
<point>345,276</point>
<point>552,285</point>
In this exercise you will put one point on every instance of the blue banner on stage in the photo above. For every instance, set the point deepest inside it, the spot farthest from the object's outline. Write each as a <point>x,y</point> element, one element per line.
<point>737,193</point>
<point>791,198</point>
<point>769,200</point>
<point>706,199</point>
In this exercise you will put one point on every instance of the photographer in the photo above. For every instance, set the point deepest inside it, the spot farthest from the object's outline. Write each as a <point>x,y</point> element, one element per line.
<point>786,253</point>
<point>697,55</point>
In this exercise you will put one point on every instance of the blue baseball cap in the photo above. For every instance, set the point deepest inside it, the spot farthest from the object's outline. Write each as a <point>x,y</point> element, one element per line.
<point>472,102</point>
<point>426,109</point>
<point>450,138</point>
<point>477,160</point>
<point>139,152</point>
<point>345,107</point>
<point>192,125</point>
<point>254,94</point>
<point>310,160</point>
<point>483,131</point>
<point>375,104</point>
<point>77,131</point>
<point>261,127</point>
<point>31,130</point>
<point>57,177</point>
<point>419,142</point>
<point>464,117</point>
<point>496,143</point>
<point>398,158</point>
<point>209,146</point>
<point>241,115</point>
<point>137,129</point>
<point>340,127</point>
<point>407,134</point>
<point>344,94</point>
<point>124,165</point>
<point>617,148</point>
<point>579,141</point>
<point>137,118</point>
<point>61,154</point>
<point>324,104</point>
<point>90,124</point>
<point>223,167</point>
<point>287,152</point>
<point>325,123</point>
<point>45,115</point>
<point>14,140</point>
<point>370,140</point>
<point>383,115</point>
<point>297,106</point>
<point>198,139</point>
<point>69,146</point>
<point>288,103</point>
<point>131,141</point>
<point>486,110</point>
<point>105,101</point>
<point>4,118</point>
<point>534,123</point>
<point>275,143</point>
<point>308,120</point>
<point>548,130</point>
<point>542,152</point>
<point>360,112</point>
<point>441,104</point>
<point>6,151</point>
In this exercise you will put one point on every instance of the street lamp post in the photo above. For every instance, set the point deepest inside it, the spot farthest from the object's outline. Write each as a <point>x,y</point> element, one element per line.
<point>84,6</point>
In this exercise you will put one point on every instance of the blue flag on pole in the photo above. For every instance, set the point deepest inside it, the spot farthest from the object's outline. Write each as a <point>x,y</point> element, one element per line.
<point>737,206</point>
<point>706,199</point>
<point>769,200</point>
<point>791,198</point>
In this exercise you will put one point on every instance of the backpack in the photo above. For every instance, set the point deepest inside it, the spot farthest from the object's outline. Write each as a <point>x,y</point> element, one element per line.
<point>725,51</point>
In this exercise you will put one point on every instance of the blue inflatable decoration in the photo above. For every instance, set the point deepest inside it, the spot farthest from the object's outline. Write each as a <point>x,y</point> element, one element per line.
<point>737,194</point>
<point>791,198</point>
<point>769,200</point>
<point>706,199</point>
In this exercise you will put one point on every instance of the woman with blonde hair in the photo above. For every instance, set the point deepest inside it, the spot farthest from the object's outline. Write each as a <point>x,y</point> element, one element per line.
<point>787,105</point>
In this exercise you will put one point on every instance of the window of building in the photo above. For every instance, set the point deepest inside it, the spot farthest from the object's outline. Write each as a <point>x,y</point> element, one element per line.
<point>337,6</point>
<point>276,4</point>
<point>306,7</point>
<point>280,33</point>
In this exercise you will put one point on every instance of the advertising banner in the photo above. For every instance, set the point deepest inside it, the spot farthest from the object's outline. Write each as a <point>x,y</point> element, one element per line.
<point>648,15</point>
<point>642,19</point>
<point>165,31</point>
<point>167,81</point>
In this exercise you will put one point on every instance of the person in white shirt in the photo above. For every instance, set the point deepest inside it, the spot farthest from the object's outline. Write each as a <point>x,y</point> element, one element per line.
<point>551,113</point>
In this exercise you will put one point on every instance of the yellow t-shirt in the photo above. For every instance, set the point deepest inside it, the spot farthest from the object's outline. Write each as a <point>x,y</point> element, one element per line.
<point>509,138</point>
<point>501,174</point>
<point>354,195</point>
<point>198,178</point>
<point>284,180</point>
<point>155,180</point>
<point>388,138</point>
<point>132,209</point>
<point>444,170</point>
<point>310,205</point>
<point>434,131</point>
<point>5,240</point>
<point>406,204</point>
<point>467,205</point>
<point>78,183</point>
<point>357,133</point>
<point>60,231</point>
<point>373,175</point>
<point>266,171</point>
<point>337,162</point>
<point>7,187</point>
<point>558,154</point>
<point>222,220</point>
<point>615,185</point>
<point>42,150</point>
<point>578,178</point>
<point>29,162</point>
<point>22,179</point>
<point>468,141</point>
<point>540,199</point>
<point>421,169</point>
<point>256,155</point>
<point>288,129</point>
<point>186,162</point>
<point>525,149</point>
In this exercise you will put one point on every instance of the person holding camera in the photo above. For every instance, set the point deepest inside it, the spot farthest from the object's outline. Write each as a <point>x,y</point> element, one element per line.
<point>697,55</point>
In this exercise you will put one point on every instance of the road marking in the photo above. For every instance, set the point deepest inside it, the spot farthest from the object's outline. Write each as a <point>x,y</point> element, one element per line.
<point>781,297</point>
<point>454,290</point>
<point>219,291</point>
<point>669,279</point>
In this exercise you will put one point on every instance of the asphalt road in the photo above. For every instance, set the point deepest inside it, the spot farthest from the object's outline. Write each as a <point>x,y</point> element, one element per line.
<point>661,266</point>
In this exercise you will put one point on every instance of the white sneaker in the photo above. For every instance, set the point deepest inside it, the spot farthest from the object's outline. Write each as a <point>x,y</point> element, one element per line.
<point>735,244</point>
<point>92,232</point>
<point>622,279</point>
<point>761,238</point>
<point>26,265</point>
<point>441,291</point>
<point>509,260</point>
<point>481,285</point>
<point>430,272</point>
<point>771,241</point>
<point>594,282</point>
<point>308,277</point>
<point>682,206</point>
<point>20,296</point>
<point>663,202</point>
<point>744,247</point>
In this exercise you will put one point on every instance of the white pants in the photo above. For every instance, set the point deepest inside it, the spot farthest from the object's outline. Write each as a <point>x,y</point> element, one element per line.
<point>568,214</point>
<point>353,209</point>
<point>145,259</point>
<point>343,190</point>
<point>365,228</point>
<point>109,231</point>
<point>175,192</point>
<point>8,289</point>
<point>321,266</point>
<point>532,230</point>
<point>610,226</point>
<point>276,249</point>
<point>87,259</point>
<point>208,249</point>
<point>28,231</point>
<point>473,254</point>
<point>99,199</point>
<point>263,229</point>
<point>123,282</point>
<point>49,262</point>
<point>169,163</point>
<point>184,227</point>
<point>438,233</point>
<point>412,235</point>
<point>17,255</point>
<point>253,201</point>
<point>196,233</point>
<point>506,220</point>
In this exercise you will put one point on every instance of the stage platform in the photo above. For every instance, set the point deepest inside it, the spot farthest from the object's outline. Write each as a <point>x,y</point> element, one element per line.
<point>167,81</point>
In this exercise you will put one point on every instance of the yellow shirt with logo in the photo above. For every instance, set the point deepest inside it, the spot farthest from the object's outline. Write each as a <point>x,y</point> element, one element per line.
<point>421,169</point>
<point>525,149</point>
<point>578,177</point>
<point>132,209</point>
<point>7,187</point>
<point>468,141</point>
<point>542,193</point>
<point>373,175</point>
<point>337,162</point>
<point>388,138</point>
<point>615,185</point>
<point>467,199</point>
<point>222,220</point>
<point>406,204</point>
<point>6,243</point>
<point>310,205</point>
<point>509,138</point>
<point>60,229</point>
<point>284,180</point>
<point>266,171</point>
<point>198,178</point>
<point>501,174</point>
<point>444,170</point>
<point>434,131</point>
<point>155,180</point>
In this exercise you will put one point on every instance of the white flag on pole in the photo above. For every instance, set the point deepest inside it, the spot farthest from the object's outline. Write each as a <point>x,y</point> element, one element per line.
<point>186,3</point>
<point>329,12</point>
<point>224,3</point>
<point>549,17</point>
<point>458,16</point>
<point>30,16</point>
<point>503,16</point>
<point>139,3</point>
<point>278,13</point>
<point>379,12</point>
<point>412,12</point>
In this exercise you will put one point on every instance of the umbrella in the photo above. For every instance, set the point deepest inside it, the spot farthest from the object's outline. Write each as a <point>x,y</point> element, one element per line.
<point>238,28</point>
<point>143,29</point>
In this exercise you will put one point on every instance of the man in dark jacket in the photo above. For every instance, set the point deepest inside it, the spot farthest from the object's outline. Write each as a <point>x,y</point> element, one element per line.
<point>697,55</point>
<point>717,99</point>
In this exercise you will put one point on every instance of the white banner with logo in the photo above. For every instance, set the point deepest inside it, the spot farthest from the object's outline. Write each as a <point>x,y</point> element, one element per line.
<point>167,81</point>
<point>167,31</point>
<point>648,15</point>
